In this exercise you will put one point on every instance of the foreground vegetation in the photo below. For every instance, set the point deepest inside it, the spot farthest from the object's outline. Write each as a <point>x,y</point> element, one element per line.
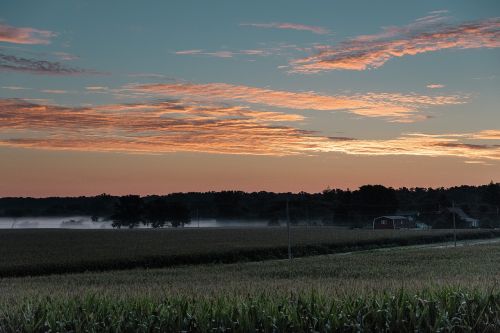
<point>395,290</point>
<point>437,311</point>
<point>38,252</point>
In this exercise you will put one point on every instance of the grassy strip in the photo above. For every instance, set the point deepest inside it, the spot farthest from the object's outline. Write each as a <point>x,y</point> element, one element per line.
<point>82,264</point>
<point>444,310</point>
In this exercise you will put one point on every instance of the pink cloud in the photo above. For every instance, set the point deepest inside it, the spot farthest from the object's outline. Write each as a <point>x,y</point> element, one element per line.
<point>65,56</point>
<point>289,26</point>
<point>221,54</point>
<point>426,35</point>
<point>435,86</point>
<point>217,54</point>
<point>54,91</point>
<point>226,53</point>
<point>189,52</point>
<point>394,106</point>
<point>10,34</point>
<point>152,128</point>
<point>175,126</point>
<point>15,88</point>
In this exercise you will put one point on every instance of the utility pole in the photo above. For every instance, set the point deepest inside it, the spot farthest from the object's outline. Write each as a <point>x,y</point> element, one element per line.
<point>454,224</point>
<point>288,229</point>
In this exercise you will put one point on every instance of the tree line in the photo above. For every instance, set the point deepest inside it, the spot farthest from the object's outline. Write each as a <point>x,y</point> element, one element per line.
<point>132,210</point>
<point>330,207</point>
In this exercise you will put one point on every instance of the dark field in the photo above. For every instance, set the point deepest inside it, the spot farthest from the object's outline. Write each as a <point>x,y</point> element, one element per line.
<point>36,252</point>
<point>393,290</point>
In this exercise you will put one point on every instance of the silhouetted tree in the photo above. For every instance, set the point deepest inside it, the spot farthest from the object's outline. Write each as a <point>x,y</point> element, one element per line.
<point>443,201</point>
<point>375,200</point>
<point>333,206</point>
<point>343,208</point>
<point>128,211</point>
<point>157,212</point>
<point>491,194</point>
<point>179,214</point>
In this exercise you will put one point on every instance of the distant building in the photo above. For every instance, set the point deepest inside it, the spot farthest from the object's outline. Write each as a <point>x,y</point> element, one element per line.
<point>462,217</point>
<point>422,225</point>
<point>412,215</point>
<point>393,222</point>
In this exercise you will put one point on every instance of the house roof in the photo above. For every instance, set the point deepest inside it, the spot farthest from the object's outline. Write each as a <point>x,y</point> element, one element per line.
<point>461,214</point>
<point>392,217</point>
<point>407,212</point>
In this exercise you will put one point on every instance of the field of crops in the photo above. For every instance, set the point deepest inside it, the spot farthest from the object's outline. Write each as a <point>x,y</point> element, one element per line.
<point>37,252</point>
<point>396,290</point>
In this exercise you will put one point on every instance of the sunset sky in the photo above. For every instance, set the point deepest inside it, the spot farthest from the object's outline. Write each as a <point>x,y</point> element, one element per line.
<point>153,97</point>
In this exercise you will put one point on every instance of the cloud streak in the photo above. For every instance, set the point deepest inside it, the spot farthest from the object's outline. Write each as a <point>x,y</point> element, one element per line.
<point>21,64</point>
<point>225,53</point>
<point>177,125</point>
<point>427,34</point>
<point>161,127</point>
<point>289,26</point>
<point>15,35</point>
<point>393,106</point>
<point>435,86</point>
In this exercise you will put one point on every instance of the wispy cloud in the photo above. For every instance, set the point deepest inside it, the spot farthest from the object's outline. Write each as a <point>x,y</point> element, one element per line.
<point>486,135</point>
<point>281,49</point>
<point>289,26</point>
<point>35,66</point>
<point>54,91</point>
<point>394,106</point>
<point>150,76</point>
<point>14,88</point>
<point>96,88</point>
<point>435,86</point>
<point>427,34</point>
<point>197,51</point>
<point>152,128</point>
<point>418,144</point>
<point>173,126</point>
<point>65,56</point>
<point>225,53</point>
<point>217,54</point>
<point>17,35</point>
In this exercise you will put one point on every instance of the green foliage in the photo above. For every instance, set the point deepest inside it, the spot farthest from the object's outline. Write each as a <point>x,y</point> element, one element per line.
<point>411,289</point>
<point>436,311</point>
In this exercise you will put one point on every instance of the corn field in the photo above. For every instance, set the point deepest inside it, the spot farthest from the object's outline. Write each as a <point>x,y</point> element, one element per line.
<point>446,310</point>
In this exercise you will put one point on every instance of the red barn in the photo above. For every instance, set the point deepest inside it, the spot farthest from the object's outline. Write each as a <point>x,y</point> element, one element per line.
<point>393,222</point>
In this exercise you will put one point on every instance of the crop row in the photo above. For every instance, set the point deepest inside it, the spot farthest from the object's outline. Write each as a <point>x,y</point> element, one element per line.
<point>445,310</point>
<point>74,251</point>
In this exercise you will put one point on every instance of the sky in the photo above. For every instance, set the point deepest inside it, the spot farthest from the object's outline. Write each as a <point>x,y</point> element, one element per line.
<point>154,97</point>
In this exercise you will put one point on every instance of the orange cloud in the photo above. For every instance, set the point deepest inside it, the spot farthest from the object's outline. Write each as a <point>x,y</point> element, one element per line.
<point>424,145</point>
<point>487,135</point>
<point>16,35</point>
<point>425,35</point>
<point>54,91</point>
<point>151,128</point>
<point>290,26</point>
<point>394,106</point>
<point>435,86</point>
<point>15,88</point>
<point>175,126</point>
